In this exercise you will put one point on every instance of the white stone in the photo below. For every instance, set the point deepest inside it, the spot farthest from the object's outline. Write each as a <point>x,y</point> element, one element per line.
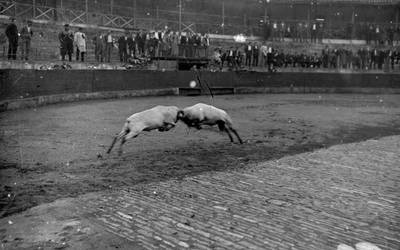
<point>344,247</point>
<point>366,246</point>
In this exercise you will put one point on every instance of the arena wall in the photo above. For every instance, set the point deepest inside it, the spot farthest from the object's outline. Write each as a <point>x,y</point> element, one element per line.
<point>36,87</point>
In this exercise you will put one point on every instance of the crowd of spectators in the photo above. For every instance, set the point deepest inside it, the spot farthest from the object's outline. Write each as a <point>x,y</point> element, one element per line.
<point>256,55</point>
<point>166,43</point>
<point>142,43</point>
<point>163,43</point>
<point>299,32</point>
<point>315,31</point>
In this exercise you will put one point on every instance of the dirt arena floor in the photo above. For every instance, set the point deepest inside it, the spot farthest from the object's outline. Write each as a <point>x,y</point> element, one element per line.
<point>58,151</point>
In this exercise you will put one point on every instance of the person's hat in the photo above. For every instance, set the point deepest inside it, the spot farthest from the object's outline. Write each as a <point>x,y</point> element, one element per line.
<point>29,21</point>
<point>66,25</point>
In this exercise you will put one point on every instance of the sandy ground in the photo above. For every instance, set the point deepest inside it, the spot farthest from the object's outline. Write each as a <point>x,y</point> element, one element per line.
<point>51,152</point>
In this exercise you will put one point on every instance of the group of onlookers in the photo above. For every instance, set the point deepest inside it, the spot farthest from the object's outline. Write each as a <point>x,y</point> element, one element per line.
<point>68,39</point>
<point>315,31</point>
<point>164,43</point>
<point>19,38</point>
<point>267,56</point>
<point>167,43</point>
<point>299,32</point>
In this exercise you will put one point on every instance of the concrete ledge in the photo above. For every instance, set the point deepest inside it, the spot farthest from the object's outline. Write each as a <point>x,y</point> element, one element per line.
<point>32,102</point>
<point>63,98</point>
<point>302,90</point>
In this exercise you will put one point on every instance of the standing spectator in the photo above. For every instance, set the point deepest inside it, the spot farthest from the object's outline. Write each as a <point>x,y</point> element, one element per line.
<point>175,43</point>
<point>381,58</point>
<point>109,46</point>
<point>224,57</point>
<point>99,47</point>
<point>197,44</point>
<point>123,47</point>
<point>368,59</point>
<point>169,40</point>
<point>314,33</point>
<point>374,58</point>
<point>282,31</point>
<point>239,58</point>
<point>362,55</point>
<point>206,44</point>
<point>370,33</point>
<point>267,30</point>
<point>66,38</point>
<point>295,32</point>
<point>306,32</point>
<point>182,45</point>
<point>392,57</point>
<point>274,31</point>
<point>377,35</point>
<point>270,60</point>
<point>390,35</point>
<point>256,51</point>
<point>131,45</point>
<point>26,37</point>
<point>248,51</point>
<point>325,57</point>
<point>289,31</point>
<point>300,33</point>
<point>231,58</point>
<point>320,32</point>
<point>80,44</point>
<point>12,35</point>
<point>152,45</point>
<point>191,43</point>
<point>264,53</point>
<point>140,40</point>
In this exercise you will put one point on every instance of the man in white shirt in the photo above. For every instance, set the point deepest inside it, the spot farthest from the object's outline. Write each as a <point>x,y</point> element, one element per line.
<point>109,45</point>
<point>80,44</point>
<point>264,53</point>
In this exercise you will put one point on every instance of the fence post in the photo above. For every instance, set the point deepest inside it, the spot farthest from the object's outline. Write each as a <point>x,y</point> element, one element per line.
<point>87,11</point>
<point>34,8</point>
<point>180,16</point>
<point>111,6</point>
<point>134,13</point>
<point>223,17</point>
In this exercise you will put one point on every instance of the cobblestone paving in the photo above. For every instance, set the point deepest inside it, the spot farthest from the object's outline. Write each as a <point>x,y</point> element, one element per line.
<point>317,200</point>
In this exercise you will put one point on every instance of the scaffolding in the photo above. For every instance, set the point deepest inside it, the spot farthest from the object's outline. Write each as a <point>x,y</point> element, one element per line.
<point>218,17</point>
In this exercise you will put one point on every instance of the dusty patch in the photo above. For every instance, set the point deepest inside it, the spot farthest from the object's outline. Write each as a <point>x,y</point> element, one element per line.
<point>51,152</point>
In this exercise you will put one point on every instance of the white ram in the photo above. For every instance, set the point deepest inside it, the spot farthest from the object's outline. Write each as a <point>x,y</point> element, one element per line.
<point>162,118</point>
<point>204,114</point>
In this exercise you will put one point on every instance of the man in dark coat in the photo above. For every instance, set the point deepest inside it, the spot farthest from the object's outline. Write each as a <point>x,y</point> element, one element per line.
<point>12,35</point>
<point>26,37</point>
<point>99,47</point>
<point>141,40</point>
<point>132,45</point>
<point>123,47</point>
<point>66,38</point>
<point>256,51</point>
